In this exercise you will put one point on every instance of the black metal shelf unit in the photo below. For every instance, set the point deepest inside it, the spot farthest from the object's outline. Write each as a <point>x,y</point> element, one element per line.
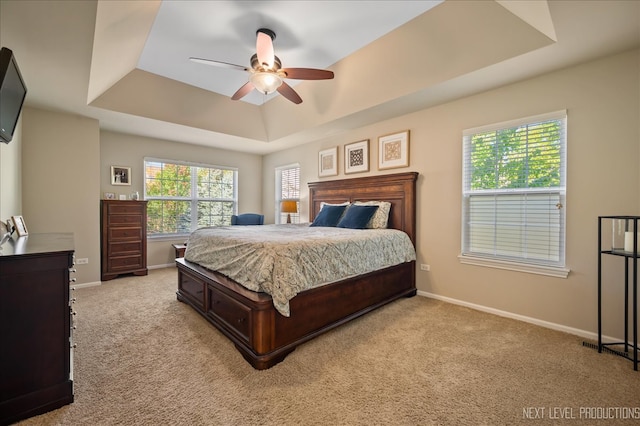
<point>630,224</point>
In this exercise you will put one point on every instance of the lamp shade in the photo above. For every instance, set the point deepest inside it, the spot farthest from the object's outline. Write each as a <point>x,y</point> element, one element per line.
<point>289,206</point>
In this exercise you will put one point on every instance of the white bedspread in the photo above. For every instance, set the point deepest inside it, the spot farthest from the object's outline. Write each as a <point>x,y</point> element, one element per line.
<point>283,260</point>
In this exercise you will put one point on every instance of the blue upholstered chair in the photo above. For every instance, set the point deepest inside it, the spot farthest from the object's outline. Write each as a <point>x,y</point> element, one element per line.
<point>247,219</point>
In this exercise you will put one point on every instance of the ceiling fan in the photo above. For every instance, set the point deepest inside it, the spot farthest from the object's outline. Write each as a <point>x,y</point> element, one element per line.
<point>266,73</point>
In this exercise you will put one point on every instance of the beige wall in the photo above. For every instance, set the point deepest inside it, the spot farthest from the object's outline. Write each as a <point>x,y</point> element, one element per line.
<point>128,150</point>
<point>11,175</point>
<point>60,183</point>
<point>603,107</point>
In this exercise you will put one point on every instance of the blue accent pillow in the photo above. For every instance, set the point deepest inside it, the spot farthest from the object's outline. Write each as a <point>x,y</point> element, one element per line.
<point>357,217</point>
<point>329,216</point>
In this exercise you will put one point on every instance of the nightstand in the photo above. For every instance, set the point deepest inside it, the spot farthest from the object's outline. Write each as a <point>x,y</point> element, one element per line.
<point>179,248</point>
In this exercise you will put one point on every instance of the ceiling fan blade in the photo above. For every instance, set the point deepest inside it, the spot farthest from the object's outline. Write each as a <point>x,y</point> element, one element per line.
<point>218,64</point>
<point>307,74</point>
<point>288,92</point>
<point>264,47</point>
<point>243,91</point>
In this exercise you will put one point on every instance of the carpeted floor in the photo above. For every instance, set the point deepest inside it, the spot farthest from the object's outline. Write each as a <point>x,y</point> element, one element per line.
<point>143,358</point>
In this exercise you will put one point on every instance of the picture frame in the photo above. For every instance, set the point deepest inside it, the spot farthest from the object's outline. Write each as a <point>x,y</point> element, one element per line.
<point>393,150</point>
<point>20,225</point>
<point>328,162</point>
<point>356,157</point>
<point>109,196</point>
<point>120,175</point>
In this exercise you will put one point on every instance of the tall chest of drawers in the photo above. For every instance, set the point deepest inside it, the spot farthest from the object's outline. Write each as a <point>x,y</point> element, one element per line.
<point>123,238</point>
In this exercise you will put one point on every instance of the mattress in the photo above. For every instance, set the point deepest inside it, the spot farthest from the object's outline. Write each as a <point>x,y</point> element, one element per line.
<point>284,260</point>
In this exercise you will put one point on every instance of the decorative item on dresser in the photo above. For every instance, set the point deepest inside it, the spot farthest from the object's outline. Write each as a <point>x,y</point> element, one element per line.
<point>36,322</point>
<point>123,238</point>
<point>19,225</point>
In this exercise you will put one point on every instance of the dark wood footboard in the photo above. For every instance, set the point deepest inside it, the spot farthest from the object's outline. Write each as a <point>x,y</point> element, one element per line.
<point>264,336</point>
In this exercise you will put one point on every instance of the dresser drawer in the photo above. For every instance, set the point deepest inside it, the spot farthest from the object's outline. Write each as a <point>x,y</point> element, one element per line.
<point>125,248</point>
<point>125,234</point>
<point>125,208</point>
<point>235,315</point>
<point>125,263</point>
<point>125,220</point>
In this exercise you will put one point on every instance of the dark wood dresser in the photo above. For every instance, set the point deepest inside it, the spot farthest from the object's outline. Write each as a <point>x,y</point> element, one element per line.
<point>36,340</point>
<point>123,238</point>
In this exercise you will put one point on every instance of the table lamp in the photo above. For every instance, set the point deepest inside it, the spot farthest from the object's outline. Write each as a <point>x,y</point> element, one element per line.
<point>288,207</point>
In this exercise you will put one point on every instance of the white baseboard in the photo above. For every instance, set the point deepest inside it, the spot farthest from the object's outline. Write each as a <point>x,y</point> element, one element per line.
<point>83,285</point>
<point>558,327</point>
<point>97,283</point>
<point>166,265</point>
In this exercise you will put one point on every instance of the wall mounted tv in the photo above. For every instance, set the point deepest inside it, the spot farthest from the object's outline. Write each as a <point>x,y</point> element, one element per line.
<point>12,93</point>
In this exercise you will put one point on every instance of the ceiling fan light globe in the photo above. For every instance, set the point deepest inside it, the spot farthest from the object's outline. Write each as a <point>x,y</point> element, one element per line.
<point>266,82</point>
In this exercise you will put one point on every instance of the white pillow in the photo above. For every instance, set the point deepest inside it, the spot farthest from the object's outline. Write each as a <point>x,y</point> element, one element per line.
<point>381,216</point>
<point>322,204</point>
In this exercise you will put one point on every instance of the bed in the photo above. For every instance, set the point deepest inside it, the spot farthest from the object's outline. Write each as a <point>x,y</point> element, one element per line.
<point>261,333</point>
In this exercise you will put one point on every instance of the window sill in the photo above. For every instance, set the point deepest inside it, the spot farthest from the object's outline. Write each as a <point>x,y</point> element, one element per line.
<point>167,237</point>
<point>551,271</point>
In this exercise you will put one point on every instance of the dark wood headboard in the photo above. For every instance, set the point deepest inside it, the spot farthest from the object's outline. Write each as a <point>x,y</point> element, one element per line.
<point>399,189</point>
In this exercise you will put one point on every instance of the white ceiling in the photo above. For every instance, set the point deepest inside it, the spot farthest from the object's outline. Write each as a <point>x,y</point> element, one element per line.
<point>309,34</point>
<point>125,63</point>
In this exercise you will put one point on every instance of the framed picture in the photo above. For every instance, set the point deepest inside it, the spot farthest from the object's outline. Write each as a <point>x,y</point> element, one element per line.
<point>328,162</point>
<point>109,196</point>
<point>356,157</point>
<point>393,150</point>
<point>21,227</point>
<point>120,175</point>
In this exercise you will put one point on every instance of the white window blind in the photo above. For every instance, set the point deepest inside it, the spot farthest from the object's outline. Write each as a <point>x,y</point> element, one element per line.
<point>514,188</point>
<point>288,188</point>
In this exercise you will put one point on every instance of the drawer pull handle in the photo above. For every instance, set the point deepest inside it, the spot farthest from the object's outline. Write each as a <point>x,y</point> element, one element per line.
<point>240,320</point>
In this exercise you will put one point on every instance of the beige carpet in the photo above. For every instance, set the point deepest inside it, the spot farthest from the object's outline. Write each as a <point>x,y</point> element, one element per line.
<point>143,358</point>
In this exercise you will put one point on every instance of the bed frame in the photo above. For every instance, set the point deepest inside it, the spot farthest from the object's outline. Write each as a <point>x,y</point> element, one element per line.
<point>265,337</point>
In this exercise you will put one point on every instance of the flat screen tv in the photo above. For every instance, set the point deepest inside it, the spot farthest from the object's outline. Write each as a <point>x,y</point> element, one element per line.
<point>13,90</point>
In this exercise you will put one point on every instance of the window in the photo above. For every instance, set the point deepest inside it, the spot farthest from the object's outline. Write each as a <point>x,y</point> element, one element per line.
<point>288,188</point>
<point>182,197</point>
<point>514,187</point>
